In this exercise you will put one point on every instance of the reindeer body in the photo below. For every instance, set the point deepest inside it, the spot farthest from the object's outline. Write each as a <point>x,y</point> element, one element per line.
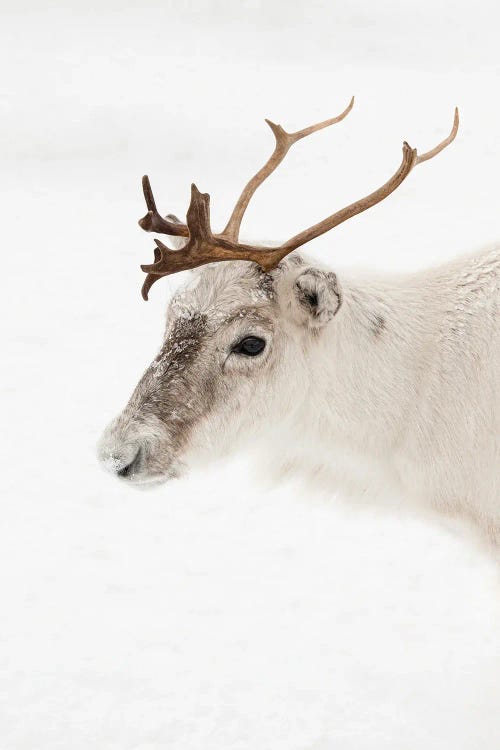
<point>404,389</point>
<point>390,383</point>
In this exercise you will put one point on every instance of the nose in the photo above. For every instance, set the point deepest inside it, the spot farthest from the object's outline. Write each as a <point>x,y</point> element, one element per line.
<point>128,469</point>
<point>121,463</point>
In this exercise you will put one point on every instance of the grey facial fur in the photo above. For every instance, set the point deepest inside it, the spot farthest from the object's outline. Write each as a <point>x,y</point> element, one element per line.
<point>171,389</point>
<point>200,394</point>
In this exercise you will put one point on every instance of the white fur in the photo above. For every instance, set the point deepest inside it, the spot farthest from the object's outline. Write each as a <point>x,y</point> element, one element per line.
<point>392,384</point>
<point>417,404</point>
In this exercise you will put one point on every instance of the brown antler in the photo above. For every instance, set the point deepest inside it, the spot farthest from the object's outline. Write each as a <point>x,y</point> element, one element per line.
<point>205,247</point>
<point>153,222</point>
<point>284,141</point>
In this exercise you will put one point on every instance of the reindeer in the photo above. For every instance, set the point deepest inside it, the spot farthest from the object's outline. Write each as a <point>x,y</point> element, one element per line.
<point>385,383</point>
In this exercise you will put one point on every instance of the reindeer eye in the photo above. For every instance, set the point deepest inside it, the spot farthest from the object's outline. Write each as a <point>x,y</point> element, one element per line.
<point>250,346</point>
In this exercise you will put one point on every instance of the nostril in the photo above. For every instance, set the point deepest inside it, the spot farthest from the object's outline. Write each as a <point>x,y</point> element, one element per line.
<point>126,470</point>
<point>131,467</point>
<point>121,463</point>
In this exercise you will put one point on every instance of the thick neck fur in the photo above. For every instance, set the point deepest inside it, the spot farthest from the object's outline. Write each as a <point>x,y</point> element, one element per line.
<point>404,388</point>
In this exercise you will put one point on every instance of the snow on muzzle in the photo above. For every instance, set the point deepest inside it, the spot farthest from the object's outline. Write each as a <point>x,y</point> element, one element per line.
<point>145,441</point>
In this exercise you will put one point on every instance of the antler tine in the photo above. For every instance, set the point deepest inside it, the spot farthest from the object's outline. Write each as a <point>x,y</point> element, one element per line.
<point>153,221</point>
<point>436,150</point>
<point>198,250</point>
<point>318,126</point>
<point>284,141</point>
<point>205,247</point>
<point>202,247</point>
<point>410,160</point>
<point>407,164</point>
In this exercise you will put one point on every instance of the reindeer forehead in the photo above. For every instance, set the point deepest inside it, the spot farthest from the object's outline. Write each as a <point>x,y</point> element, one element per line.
<point>223,293</point>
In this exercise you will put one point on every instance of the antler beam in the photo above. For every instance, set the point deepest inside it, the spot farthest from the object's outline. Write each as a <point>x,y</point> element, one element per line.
<point>154,222</point>
<point>205,247</point>
<point>410,160</point>
<point>284,141</point>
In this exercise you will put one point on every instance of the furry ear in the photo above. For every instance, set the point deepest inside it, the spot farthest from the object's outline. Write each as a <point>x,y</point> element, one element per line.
<point>317,296</point>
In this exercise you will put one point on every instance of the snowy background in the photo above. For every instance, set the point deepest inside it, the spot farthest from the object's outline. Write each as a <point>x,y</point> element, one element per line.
<point>210,614</point>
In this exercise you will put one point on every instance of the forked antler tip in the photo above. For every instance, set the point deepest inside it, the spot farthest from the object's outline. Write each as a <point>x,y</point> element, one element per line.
<point>409,153</point>
<point>160,252</point>
<point>449,139</point>
<point>277,129</point>
<point>198,196</point>
<point>281,134</point>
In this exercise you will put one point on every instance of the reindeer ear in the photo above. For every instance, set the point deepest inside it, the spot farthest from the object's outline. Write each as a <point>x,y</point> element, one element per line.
<point>317,296</point>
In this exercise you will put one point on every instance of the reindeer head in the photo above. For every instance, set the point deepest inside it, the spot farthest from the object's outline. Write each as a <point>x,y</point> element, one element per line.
<point>236,334</point>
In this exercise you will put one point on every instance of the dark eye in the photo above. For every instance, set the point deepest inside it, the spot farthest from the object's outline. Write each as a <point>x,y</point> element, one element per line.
<point>250,345</point>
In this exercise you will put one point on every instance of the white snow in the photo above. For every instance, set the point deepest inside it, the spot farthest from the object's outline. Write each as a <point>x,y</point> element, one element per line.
<point>209,613</point>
